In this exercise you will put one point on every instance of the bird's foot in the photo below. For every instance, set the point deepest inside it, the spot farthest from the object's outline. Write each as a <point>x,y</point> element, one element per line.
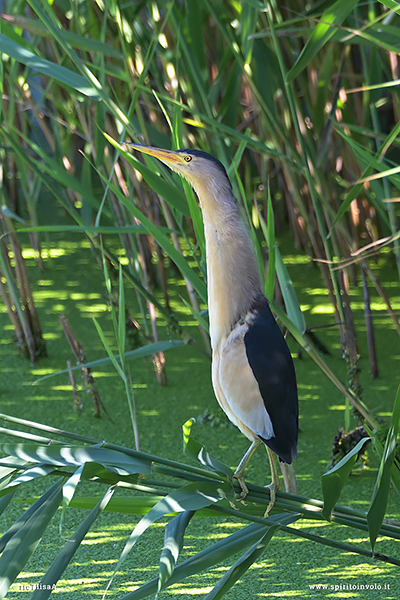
<point>273,488</point>
<point>243,486</point>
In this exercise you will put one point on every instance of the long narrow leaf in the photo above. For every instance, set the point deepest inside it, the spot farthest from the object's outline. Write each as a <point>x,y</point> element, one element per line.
<point>76,41</point>
<point>213,555</point>
<point>29,474</point>
<point>335,479</point>
<point>148,350</point>
<point>161,239</point>
<point>199,453</point>
<point>380,494</point>
<point>64,557</point>
<point>190,497</point>
<point>107,348</point>
<point>248,559</point>
<point>368,159</point>
<point>395,473</point>
<point>50,69</point>
<point>196,315</point>
<point>205,559</point>
<point>270,236</point>
<point>16,526</point>
<point>88,229</point>
<point>76,456</point>
<point>292,304</point>
<point>23,543</point>
<point>49,166</point>
<point>173,542</point>
<point>121,316</point>
<point>169,191</point>
<point>5,500</point>
<point>130,505</point>
<point>326,28</point>
<point>68,491</point>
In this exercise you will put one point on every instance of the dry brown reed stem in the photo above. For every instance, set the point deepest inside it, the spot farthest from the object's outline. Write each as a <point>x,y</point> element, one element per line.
<point>88,383</point>
<point>19,333</point>
<point>77,401</point>
<point>19,299</point>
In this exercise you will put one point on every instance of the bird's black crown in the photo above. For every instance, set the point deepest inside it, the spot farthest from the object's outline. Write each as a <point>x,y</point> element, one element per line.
<point>205,155</point>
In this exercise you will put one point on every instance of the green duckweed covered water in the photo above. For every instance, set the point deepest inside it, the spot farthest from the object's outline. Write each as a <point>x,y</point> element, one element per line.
<point>72,284</point>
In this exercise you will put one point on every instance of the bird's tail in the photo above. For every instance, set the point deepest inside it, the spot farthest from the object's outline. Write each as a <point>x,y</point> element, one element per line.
<point>289,477</point>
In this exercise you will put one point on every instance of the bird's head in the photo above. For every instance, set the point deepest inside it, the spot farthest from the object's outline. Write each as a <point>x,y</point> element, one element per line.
<point>199,168</point>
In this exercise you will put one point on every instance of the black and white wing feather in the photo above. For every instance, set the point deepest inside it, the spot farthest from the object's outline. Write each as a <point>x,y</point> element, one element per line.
<point>272,365</point>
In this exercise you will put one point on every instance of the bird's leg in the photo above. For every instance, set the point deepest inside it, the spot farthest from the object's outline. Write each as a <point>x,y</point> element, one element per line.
<point>289,477</point>
<point>274,485</point>
<point>239,473</point>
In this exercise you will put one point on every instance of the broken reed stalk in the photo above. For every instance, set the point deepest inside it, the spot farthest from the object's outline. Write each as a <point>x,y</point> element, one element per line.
<point>88,383</point>
<point>77,401</point>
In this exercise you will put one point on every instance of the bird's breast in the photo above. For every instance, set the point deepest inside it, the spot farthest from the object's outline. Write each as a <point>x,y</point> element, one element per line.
<point>235,386</point>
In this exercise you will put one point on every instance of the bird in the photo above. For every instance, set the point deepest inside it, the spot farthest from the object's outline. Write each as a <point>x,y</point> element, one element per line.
<point>253,374</point>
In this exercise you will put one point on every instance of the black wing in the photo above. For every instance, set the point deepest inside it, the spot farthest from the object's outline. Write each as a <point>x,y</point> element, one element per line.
<point>272,365</point>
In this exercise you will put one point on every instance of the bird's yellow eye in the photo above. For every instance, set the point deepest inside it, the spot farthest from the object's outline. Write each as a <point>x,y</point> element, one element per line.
<point>187,158</point>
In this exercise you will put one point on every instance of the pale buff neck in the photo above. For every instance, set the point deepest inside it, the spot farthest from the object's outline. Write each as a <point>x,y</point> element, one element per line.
<point>233,276</point>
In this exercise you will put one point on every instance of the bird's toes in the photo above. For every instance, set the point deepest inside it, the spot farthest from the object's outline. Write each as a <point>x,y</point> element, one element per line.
<point>243,487</point>
<point>273,488</point>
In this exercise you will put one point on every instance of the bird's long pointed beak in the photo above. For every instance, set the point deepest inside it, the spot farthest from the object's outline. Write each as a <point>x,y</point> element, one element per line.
<point>166,156</point>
